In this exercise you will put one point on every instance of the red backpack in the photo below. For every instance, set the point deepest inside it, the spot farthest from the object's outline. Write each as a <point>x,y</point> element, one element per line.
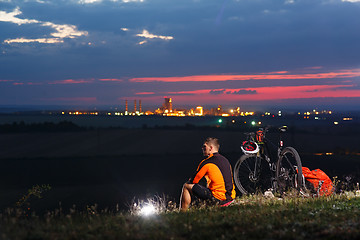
<point>321,183</point>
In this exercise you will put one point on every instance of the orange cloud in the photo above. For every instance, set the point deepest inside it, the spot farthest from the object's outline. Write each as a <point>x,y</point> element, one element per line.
<point>71,81</point>
<point>279,72</point>
<point>34,83</point>
<point>268,76</point>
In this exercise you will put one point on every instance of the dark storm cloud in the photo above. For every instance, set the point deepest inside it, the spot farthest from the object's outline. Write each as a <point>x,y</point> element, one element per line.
<point>217,92</point>
<point>242,92</point>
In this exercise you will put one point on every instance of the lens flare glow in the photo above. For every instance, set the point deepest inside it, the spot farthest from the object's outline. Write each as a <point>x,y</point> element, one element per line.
<point>147,210</point>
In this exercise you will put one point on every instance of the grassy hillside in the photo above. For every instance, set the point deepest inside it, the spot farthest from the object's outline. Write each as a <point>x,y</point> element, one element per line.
<point>256,217</point>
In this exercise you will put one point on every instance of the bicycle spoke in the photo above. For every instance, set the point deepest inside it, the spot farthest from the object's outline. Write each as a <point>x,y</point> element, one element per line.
<point>252,174</point>
<point>248,166</point>
<point>288,171</point>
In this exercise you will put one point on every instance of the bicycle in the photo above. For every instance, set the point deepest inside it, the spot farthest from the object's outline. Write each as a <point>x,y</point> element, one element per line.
<point>257,171</point>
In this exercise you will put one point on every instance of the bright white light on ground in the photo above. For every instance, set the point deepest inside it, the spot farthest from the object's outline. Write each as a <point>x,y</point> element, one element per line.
<point>149,207</point>
<point>147,210</point>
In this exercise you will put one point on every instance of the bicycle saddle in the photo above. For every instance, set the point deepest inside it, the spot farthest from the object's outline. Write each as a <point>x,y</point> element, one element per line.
<point>283,128</point>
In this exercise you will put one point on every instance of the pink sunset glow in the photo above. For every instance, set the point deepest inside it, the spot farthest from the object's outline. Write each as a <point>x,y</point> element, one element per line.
<point>72,81</point>
<point>268,93</point>
<point>145,93</point>
<point>270,76</point>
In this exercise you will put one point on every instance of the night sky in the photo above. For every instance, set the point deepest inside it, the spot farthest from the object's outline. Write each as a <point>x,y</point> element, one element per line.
<point>199,52</point>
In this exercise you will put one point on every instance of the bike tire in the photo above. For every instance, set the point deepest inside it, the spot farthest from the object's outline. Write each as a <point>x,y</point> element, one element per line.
<point>248,182</point>
<point>289,171</point>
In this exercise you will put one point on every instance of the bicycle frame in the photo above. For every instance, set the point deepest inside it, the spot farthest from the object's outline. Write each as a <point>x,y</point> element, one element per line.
<point>283,164</point>
<point>265,153</point>
<point>264,148</point>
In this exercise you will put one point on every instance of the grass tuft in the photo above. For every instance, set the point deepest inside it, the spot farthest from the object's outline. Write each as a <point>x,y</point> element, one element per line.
<point>249,217</point>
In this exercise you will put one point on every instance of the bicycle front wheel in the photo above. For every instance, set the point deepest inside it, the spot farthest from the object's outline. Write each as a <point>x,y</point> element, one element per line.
<point>252,174</point>
<point>289,171</point>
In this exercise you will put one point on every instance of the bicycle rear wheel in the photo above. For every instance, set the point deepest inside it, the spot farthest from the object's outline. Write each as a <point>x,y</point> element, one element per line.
<point>289,171</point>
<point>252,174</point>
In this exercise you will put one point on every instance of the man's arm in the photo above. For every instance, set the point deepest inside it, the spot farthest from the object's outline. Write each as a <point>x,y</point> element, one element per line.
<point>200,174</point>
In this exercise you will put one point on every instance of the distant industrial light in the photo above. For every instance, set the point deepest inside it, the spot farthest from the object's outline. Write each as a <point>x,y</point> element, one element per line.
<point>336,123</point>
<point>220,120</point>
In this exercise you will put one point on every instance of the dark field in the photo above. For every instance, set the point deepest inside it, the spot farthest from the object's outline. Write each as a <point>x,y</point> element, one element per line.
<point>122,159</point>
<point>115,166</point>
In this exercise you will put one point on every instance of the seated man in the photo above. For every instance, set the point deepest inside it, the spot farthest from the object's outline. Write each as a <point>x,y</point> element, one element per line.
<point>217,171</point>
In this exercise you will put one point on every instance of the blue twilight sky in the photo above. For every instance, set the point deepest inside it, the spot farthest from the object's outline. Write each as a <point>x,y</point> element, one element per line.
<point>199,52</point>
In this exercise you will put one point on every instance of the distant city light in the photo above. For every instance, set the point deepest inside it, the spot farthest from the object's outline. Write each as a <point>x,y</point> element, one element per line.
<point>322,154</point>
<point>199,111</point>
<point>167,110</point>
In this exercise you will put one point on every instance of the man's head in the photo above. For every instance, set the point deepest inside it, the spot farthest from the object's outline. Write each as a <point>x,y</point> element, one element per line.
<point>211,145</point>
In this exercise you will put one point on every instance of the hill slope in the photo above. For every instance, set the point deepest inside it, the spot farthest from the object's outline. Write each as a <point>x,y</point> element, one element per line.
<point>256,217</point>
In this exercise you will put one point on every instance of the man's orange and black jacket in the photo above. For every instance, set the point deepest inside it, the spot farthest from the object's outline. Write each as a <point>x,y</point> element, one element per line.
<point>217,171</point>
